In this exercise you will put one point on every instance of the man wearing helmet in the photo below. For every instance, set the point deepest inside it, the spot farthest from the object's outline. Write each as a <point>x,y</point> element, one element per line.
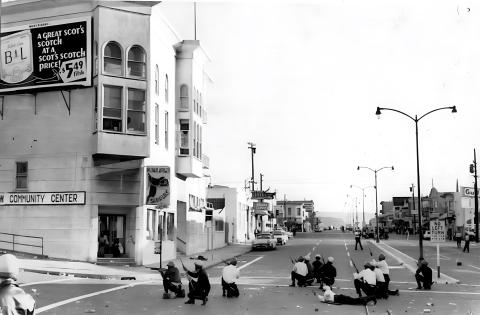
<point>328,273</point>
<point>13,300</point>
<point>199,285</point>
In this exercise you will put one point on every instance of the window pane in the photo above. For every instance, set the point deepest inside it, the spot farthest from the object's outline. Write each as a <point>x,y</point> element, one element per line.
<point>171,227</point>
<point>112,124</point>
<point>21,182</point>
<point>113,113</point>
<point>136,121</point>
<point>136,68</point>
<point>113,66</point>
<point>136,53</point>
<point>136,99</point>
<point>112,97</point>
<point>113,50</point>
<point>21,167</point>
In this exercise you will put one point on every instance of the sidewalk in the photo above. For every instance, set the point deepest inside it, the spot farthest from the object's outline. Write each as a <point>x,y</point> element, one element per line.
<point>32,263</point>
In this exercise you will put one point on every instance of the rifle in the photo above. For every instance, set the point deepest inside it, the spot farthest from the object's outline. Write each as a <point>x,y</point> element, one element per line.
<point>353,264</point>
<point>370,251</point>
<point>292,260</point>
<point>184,268</point>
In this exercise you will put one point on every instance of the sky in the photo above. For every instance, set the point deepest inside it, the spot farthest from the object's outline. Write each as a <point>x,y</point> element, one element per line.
<point>302,80</point>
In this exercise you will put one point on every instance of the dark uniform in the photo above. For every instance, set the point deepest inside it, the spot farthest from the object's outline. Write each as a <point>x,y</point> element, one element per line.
<point>172,281</point>
<point>199,285</point>
<point>423,275</point>
<point>317,265</point>
<point>13,300</point>
<point>328,273</point>
<point>357,239</point>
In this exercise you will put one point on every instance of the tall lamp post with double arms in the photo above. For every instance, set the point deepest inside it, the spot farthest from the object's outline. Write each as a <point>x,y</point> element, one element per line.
<point>363,201</point>
<point>416,120</point>
<point>376,194</point>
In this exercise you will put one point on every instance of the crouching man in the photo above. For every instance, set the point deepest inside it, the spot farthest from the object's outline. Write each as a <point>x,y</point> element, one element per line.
<point>366,281</point>
<point>229,275</point>
<point>13,300</point>
<point>171,281</point>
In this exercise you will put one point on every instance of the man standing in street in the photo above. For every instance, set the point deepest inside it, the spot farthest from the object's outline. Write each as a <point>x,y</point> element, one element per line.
<point>365,280</point>
<point>458,237</point>
<point>423,275</point>
<point>467,242</point>
<point>171,281</point>
<point>230,274</point>
<point>358,235</point>
<point>299,272</point>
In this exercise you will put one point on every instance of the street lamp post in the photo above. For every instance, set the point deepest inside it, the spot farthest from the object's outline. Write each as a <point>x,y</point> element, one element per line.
<point>363,201</point>
<point>416,120</point>
<point>376,194</point>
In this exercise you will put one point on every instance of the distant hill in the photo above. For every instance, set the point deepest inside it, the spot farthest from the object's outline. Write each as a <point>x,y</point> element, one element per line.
<point>336,222</point>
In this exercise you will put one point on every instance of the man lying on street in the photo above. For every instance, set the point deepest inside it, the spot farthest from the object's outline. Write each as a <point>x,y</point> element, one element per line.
<point>172,281</point>
<point>199,285</point>
<point>330,297</point>
<point>366,280</point>
<point>13,300</point>
<point>383,266</point>
<point>423,275</point>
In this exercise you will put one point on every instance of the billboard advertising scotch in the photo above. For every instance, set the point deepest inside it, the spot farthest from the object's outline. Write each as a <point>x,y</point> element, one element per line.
<point>46,54</point>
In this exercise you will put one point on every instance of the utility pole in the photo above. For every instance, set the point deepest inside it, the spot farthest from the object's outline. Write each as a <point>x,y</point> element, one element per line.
<point>254,150</point>
<point>473,169</point>
<point>261,182</point>
<point>412,189</point>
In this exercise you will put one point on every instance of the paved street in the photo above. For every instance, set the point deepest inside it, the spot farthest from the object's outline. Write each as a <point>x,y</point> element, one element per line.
<point>264,286</point>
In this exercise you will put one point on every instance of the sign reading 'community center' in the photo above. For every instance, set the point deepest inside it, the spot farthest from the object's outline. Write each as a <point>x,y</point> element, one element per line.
<point>43,198</point>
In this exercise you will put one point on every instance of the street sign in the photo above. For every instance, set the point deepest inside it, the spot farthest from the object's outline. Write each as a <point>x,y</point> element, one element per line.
<point>437,230</point>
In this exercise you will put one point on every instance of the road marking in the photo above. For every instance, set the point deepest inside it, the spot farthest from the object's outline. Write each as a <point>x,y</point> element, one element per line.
<point>81,297</point>
<point>474,267</point>
<point>46,281</point>
<point>249,263</point>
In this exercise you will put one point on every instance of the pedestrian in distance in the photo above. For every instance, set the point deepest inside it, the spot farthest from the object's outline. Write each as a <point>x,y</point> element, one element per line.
<point>13,300</point>
<point>358,236</point>
<point>230,274</point>
<point>199,284</point>
<point>423,275</point>
<point>383,266</point>
<point>365,280</point>
<point>330,297</point>
<point>299,272</point>
<point>328,273</point>
<point>458,238</point>
<point>467,242</point>
<point>172,281</point>
<point>317,265</point>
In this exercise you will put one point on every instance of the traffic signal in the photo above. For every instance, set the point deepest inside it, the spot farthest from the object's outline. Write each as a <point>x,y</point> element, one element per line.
<point>472,170</point>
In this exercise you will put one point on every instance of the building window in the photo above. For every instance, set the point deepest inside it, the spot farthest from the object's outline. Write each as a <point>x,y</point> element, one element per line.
<point>166,88</point>
<point>166,130</point>
<point>184,96</point>
<point>157,121</point>
<point>299,212</point>
<point>184,137</point>
<point>112,59</point>
<point>171,226</point>
<point>157,78</point>
<point>112,108</point>
<point>200,111</point>
<point>136,62</point>
<point>136,110</point>
<point>21,175</point>
<point>219,225</point>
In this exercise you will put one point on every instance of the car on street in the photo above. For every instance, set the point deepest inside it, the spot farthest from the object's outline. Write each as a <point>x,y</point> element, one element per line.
<point>281,237</point>
<point>264,241</point>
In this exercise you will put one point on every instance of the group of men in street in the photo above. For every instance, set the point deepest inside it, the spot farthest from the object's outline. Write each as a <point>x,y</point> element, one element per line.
<point>374,279</point>
<point>198,281</point>
<point>305,273</point>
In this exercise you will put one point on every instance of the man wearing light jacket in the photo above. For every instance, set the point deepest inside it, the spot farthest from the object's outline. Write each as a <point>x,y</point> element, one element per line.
<point>365,280</point>
<point>299,272</point>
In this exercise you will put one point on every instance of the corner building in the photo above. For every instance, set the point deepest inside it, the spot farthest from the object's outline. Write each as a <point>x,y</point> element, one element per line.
<point>92,139</point>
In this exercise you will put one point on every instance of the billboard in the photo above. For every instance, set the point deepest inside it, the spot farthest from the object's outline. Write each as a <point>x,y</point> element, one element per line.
<point>158,186</point>
<point>46,54</point>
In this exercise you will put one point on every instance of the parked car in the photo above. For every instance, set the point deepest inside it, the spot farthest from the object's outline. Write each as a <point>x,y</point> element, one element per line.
<point>264,241</point>
<point>281,237</point>
<point>287,232</point>
<point>426,235</point>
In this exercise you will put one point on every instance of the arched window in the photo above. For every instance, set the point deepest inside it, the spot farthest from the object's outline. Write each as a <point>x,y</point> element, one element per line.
<point>112,59</point>
<point>157,78</point>
<point>166,88</point>
<point>136,62</point>
<point>184,96</point>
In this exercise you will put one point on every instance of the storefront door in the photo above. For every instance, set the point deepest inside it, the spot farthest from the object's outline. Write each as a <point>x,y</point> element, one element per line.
<point>113,226</point>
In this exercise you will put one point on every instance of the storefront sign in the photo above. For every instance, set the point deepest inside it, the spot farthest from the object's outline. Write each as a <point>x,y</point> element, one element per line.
<point>261,206</point>
<point>468,191</point>
<point>47,54</point>
<point>42,198</point>
<point>158,186</point>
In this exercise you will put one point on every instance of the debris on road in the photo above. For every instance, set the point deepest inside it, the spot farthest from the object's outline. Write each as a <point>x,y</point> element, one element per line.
<point>427,310</point>
<point>429,304</point>
<point>454,304</point>
<point>90,311</point>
